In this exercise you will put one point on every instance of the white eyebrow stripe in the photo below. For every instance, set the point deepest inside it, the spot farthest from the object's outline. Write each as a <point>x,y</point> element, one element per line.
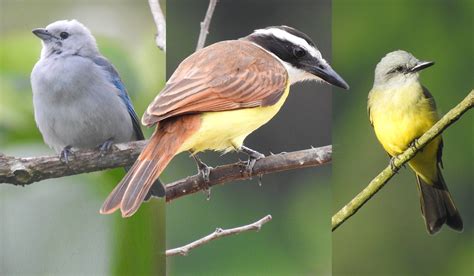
<point>281,34</point>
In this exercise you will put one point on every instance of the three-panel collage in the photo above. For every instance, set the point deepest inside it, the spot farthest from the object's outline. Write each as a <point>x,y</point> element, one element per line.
<point>220,137</point>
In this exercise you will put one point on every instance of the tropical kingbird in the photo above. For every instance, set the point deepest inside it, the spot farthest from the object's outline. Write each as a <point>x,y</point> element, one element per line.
<point>400,111</point>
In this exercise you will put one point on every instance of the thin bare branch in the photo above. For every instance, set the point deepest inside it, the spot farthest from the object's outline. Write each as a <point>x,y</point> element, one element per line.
<point>380,180</point>
<point>218,233</point>
<point>273,163</point>
<point>205,24</point>
<point>160,22</point>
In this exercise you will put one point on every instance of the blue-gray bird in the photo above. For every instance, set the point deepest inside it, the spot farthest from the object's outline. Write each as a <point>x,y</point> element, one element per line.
<point>78,96</point>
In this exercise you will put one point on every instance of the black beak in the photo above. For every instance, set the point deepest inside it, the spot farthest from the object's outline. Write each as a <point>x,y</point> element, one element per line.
<point>421,65</point>
<point>326,73</point>
<point>43,34</point>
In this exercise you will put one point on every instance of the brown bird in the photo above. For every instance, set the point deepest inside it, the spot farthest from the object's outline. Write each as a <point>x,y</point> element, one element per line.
<point>215,98</point>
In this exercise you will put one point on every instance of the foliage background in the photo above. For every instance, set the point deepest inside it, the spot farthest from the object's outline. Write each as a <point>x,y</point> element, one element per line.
<point>297,240</point>
<point>54,227</point>
<point>387,236</point>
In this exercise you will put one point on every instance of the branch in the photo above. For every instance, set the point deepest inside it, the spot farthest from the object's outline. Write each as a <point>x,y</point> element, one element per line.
<point>205,24</point>
<point>184,250</point>
<point>380,180</point>
<point>273,163</point>
<point>160,22</point>
<point>21,171</point>
<point>26,170</point>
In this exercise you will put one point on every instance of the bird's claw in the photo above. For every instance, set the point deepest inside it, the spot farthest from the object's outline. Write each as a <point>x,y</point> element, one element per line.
<point>65,153</point>
<point>414,144</point>
<point>253,157</point>
<point>392,164</point>
<point>205,172</point>
<point>105,147</point>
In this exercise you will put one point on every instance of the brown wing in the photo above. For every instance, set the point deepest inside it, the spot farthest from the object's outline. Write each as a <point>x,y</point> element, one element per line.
<point>224,76</point>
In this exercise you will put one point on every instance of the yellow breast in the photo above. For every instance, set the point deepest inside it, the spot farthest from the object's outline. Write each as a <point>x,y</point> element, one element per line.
<point>400,116</point>
<point>225,130</point>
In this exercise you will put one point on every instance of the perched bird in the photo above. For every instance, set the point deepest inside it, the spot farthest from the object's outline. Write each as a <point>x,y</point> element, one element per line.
<point>401,109</point>
<point>79,99</point>
<point>215,98</point>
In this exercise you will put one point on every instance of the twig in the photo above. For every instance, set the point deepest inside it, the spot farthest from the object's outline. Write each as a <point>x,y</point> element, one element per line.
<point>205,24</point>
<point>22,171</point>
<point>380,180</point>
<point>273,163</point>
<point>218,233</point>
<point>160,22</point>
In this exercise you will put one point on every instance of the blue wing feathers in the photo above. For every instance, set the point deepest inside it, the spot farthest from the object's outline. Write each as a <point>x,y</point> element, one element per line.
<point>115,78</point>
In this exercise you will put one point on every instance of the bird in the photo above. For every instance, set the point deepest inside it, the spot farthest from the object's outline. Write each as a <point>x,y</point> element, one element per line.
<point>400,110</point>
<point>79,98</point>
<point>215,98</point>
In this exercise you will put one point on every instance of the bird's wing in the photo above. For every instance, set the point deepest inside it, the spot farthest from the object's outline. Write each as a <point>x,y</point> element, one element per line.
<point>224,76</point>
<point>370,118</point>
<point>368,110</point>
<point>430,98</point>
<point>117,81</point>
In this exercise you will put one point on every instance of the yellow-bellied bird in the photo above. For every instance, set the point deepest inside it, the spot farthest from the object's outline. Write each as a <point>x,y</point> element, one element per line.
<point>401,110</point>
<point>215,98</point>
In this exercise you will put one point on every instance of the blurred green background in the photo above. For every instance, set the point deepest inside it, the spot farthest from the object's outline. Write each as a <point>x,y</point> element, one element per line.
<point>53,227</point>
<point>297,240</point>
<point>387,236</point>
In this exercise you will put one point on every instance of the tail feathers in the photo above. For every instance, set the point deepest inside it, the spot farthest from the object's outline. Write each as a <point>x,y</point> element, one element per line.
<point>112,203</point>
<point>437,205</point>
<point>141,181</point>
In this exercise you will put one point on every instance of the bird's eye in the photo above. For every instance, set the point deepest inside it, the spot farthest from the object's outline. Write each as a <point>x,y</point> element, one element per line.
<point>399,69</point>
<point>299,52</point>
<point>64,35</point>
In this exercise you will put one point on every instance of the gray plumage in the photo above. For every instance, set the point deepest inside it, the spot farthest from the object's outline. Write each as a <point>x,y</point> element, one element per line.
<point>78,97</point>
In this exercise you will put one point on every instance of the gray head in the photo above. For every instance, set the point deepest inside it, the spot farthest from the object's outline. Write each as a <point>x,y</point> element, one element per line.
<point>66,37</point>
<point>298,53</point>
<point>398,68</point>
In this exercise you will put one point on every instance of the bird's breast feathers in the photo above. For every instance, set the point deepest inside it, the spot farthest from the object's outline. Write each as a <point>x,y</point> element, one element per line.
<point>400,116</point>
<point>225,130</point>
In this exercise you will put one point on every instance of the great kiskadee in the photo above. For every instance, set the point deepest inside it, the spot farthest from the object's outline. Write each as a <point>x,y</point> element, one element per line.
<point>400,111</point>
<point>215,98</point>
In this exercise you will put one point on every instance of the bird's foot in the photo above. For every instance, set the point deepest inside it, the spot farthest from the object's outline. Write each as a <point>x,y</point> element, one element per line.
<point>106,146</point>
<point>392,164</point>
<point>253,157</point>
<point>414,144</point>
<point>65,153</point>
<point>204,171</point>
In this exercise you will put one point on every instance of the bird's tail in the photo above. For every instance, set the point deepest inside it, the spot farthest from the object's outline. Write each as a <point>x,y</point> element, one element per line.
<point>437,205</point>
<point>164,144</point>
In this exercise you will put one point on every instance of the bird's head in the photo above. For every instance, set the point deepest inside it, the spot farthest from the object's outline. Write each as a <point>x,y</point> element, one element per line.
<point>68,37</point>
<point>398,68</point>
<point>298,53</point>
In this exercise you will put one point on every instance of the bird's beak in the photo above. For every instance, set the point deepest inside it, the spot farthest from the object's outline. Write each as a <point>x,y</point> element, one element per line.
<point>421,65</point>
<point>325,72</point>
<point>43,34</point>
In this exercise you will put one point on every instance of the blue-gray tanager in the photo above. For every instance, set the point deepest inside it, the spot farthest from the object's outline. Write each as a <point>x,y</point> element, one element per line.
<point>78,96</point>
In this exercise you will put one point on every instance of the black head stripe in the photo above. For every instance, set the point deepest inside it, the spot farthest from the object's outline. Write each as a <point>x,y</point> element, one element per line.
<point>273,44</point>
